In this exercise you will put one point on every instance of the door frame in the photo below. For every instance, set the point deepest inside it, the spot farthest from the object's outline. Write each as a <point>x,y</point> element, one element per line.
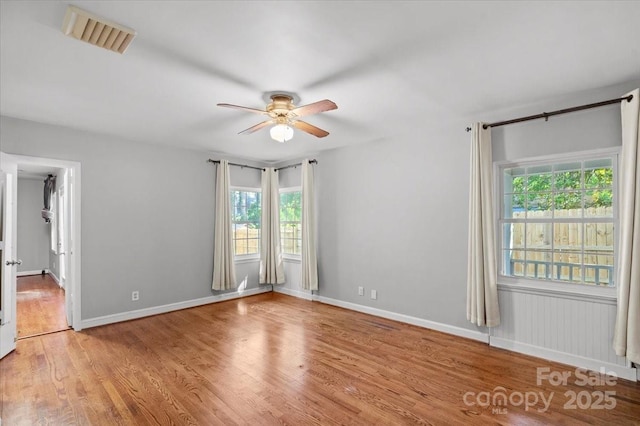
<point>73,257</point>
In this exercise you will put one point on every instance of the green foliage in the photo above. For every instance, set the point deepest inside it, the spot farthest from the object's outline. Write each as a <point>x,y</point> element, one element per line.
<point>246,207</point>
<point>563,190</point>
<point>290,207</point>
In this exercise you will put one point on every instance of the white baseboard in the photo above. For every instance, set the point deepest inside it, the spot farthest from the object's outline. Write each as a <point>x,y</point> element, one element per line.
<point>25,273</point>
<point>295,293</point>
<point>621,371</point>
<point>155,310</point>
<point>55,278</point>
<point>445,328</point>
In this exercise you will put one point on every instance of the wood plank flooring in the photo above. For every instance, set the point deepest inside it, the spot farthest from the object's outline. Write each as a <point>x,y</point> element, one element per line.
<point>40,306</point>
<point>275,359</point>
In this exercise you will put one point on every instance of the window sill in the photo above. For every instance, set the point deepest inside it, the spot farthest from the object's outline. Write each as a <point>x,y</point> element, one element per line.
<point>246,259</point>
<point>582,292</point>
<point>291,258</point>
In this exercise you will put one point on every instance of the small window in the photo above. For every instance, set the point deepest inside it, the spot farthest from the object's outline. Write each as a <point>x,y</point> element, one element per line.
<point>557,220</point>
<point>245,205</point>
<point>290,225</point>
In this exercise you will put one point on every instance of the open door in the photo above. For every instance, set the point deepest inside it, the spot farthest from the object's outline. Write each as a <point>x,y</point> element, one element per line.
<point>8,212</point>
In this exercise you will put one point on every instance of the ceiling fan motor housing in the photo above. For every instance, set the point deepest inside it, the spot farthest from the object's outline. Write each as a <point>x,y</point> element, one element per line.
<point>280,106</point>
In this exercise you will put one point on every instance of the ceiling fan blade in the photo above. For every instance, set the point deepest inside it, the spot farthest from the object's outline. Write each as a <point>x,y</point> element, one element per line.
<point>314,108</point>
<point>254,110</point>
<point>309,128</point>
<point>257,127</point>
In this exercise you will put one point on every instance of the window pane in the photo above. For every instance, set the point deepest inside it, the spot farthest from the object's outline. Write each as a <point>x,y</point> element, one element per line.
<point>539,235</point>
<point>246,221</point>
<point>598,203</point>
<point>598,174</point>
<point>568,204</point>
<point>598,269</point>
<point>514,205</point>
<point>567,236</point>
<point>515,180</point>
<point>598,238</point>
<point>569,179</point>
<point>290,214</point>
<point>539,204</point>
<point>538,264</point>
<point>513,235</point>
<point>568,267</point>
<point>538,180</point>
<point>513,262</point>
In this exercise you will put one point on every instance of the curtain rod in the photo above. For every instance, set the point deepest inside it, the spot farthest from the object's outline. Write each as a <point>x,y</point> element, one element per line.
<point>260,168</point>
<point>235,164</point>
<point>296,165</point>
<point>546,115</point>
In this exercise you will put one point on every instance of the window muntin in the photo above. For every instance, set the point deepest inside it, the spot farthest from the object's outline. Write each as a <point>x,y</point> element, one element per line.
<point>290,221</point>
<point>245,216</point>
<point>557,220</point>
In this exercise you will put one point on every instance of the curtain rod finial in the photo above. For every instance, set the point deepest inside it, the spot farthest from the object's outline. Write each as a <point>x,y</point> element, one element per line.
<point>468,129</point>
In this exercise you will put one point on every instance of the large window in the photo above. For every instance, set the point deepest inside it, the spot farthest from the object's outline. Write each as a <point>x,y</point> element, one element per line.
<point>557,219</point>
<point>245,205</point>
<point>290,226</point>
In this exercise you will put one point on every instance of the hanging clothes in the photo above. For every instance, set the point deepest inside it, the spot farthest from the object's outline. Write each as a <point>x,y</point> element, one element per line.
<point>49,187</point>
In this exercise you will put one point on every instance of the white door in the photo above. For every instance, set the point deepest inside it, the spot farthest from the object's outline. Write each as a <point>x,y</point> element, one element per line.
<point>8,212</point>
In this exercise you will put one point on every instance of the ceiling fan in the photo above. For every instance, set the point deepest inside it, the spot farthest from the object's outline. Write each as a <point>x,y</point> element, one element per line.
<point>284,115</point>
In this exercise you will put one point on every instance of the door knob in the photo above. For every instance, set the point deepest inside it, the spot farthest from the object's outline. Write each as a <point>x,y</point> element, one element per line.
<point>14,262</point>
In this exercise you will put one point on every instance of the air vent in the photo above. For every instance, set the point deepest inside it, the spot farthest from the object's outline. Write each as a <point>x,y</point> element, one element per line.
<point>87,27</point>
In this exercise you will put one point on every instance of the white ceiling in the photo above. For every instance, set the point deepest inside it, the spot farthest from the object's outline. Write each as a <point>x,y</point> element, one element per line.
<point>392,67</point>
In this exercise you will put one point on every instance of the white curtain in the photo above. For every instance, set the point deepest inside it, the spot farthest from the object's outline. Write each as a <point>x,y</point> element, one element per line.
<point>626,340</point>
<point>224,270</point>
<point>271,267</point>
<point>482,287</point>
<point>309,261</point>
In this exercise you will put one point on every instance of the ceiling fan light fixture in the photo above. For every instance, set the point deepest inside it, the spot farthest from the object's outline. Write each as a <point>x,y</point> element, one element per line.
<point>281,133</point>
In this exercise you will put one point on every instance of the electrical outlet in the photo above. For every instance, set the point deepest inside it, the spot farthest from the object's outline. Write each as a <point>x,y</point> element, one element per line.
<point>360,291</point>
<point>374,294</point>
<point>135,295</point>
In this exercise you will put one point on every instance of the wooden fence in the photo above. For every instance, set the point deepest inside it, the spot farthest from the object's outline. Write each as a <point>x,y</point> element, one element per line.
<point>566,260</point>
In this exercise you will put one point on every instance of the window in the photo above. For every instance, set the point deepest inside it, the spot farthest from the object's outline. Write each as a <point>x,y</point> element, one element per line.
<point>290,225</point>
<point>556,220</point>
<point>245,205</point>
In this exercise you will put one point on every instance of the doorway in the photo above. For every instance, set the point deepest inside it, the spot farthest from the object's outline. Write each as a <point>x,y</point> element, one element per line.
<point>64,243</point>
<point>41,244</point>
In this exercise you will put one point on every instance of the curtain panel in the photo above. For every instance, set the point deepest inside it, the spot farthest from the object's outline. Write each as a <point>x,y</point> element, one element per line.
<point>271,266</point>
<point>309,261</point>
<point>482,287</point>
<point>224,270</point>
<point>626,339</point>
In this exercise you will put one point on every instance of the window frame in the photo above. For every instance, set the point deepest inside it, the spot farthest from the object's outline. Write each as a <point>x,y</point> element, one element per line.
<point>252,257</point>
<point>550,286</point>
<point>290,256</point>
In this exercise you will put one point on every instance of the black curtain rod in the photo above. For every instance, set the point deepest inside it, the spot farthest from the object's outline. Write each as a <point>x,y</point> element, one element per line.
<point>236,164</point>
<point>260,168</point>
<point>296,165</point>
<point>546,115</point>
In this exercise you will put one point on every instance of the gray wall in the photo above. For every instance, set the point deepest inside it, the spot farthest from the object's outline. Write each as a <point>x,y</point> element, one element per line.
<point>147,215</point>
<point>393,217</point>
<point>33,233</point>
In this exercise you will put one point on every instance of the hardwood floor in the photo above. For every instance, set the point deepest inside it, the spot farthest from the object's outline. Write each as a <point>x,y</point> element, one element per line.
<point>40,306</point>
<point>275,359</point>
